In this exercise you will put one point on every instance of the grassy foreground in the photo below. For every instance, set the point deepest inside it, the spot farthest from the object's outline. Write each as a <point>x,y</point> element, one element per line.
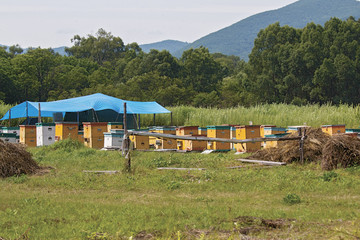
<point>67,203</point>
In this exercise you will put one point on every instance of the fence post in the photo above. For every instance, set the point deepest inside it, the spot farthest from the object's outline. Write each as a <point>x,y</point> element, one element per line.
<point>126,143</point>
<point>302,134</point>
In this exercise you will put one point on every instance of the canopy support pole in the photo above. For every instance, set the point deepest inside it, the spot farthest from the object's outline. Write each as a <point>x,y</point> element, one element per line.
<point>171,119</point>
<point>78,117</point>
<point>154,119</point>
<point>27,113</point>
<point>10,118</point>
<point>39,114</point>
<point>139,121</point>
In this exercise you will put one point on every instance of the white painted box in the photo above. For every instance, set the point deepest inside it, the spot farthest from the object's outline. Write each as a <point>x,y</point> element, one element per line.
<point>45,134</point>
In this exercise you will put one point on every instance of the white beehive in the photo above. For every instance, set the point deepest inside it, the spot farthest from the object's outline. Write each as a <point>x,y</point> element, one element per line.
<point>45,134</point>
<point>8,137</point>
<point>11,130</point>
<point>113,139</point>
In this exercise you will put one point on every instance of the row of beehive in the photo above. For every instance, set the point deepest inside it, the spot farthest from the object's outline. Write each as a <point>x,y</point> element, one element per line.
<point>99,135</point>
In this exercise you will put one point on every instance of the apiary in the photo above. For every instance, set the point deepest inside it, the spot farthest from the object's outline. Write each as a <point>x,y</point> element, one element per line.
<point>248,132</point>
<point>8,137</point>
<point>114,125</point>
<point>28,135</point>
<point>218,132</point>
<point>45,134</point>
<point>113,139</point>
<point>65,130</point>
<point>333,129</point>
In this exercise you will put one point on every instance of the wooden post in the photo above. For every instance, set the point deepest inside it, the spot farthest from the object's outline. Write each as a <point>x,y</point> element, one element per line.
<point>171,119</point>
<point>10,118</point>
<point>301,132</point>
<point>39,115</point>
<point>139,124</point>
<point>126,143</point>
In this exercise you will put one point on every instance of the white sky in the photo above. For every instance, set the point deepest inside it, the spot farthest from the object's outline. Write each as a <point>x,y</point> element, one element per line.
<point>52,23</point>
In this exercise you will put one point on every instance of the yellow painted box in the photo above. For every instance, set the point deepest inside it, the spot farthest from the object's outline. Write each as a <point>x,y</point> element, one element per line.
<point>65,130</point>
<point>202,131</point>
<point>94,129</point>
<point>140,142</point>
<point>218,132</point>
<point>190,145</point>
<point>166,143</point>
<point>189,130</point>
<point>262,133</point>
<point>28,135</point>
<point>333,129</point>
<point>247,132</point>
<point>114,125</point>
<point>81,136</point>
<point>94,142</point>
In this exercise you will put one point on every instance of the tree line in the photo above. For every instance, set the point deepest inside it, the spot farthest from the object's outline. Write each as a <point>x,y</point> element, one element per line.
<point>316,64</point>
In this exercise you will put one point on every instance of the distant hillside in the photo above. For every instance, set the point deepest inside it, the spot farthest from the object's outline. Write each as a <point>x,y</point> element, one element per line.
<point>238,38</point>
<point>171,45</point>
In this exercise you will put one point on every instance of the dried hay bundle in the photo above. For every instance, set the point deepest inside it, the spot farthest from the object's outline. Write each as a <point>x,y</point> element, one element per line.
<point>341,151</point>
<point>15,160</point>
<point>288,151</point>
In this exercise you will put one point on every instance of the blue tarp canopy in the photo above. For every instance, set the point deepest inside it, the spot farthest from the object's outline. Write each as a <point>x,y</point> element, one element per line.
<point>96,102</point>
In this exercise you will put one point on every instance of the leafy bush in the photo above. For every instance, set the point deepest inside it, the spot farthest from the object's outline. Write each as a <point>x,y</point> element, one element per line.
<point>328,176</point>
<point>67,145</point>
<point>291,199</point>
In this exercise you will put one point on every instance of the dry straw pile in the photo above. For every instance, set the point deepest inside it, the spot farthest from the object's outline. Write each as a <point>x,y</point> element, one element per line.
<point>331,151</point>
<point>15,160</point>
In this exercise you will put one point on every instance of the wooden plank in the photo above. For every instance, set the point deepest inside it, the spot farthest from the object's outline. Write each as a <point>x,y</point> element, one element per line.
<point>201,138</point>
<point>181,169</point>
<point>101,172</point>
<point>262,162</point>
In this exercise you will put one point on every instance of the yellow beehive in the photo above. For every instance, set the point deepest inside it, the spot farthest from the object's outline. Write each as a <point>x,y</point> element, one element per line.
<point>272,144</point>
<point>295,129</point>
<point>262,134</point>
<point>94,142</point>
<point>218,132</point>
<point>114,125</point>
<point>140,142</point>
<point>65,130</point>
<point>247,132</point>
<point>202,131</point>
<point>81,136</point>
<point>94,129</point>
<point>189,130</point>
<point>166,143</point>
<point>191,145</point>
<point>333,129</point>
<point>28,135</point>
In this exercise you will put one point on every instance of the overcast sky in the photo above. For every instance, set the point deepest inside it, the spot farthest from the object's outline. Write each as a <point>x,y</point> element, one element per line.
<point>52,23</point>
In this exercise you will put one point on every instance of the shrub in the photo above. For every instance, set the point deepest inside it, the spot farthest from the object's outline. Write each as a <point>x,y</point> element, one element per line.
<point>291,199</point>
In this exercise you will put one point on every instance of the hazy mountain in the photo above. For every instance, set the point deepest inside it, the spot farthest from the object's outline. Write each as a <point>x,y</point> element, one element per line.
<point>171,45</point>
<point>238,38</point>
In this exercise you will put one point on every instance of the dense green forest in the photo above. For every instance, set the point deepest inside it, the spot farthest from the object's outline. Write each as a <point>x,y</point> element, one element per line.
<point>316,64</point>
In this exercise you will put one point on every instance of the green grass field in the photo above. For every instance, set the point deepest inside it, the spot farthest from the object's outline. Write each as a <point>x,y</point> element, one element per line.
<point>67,203</point>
